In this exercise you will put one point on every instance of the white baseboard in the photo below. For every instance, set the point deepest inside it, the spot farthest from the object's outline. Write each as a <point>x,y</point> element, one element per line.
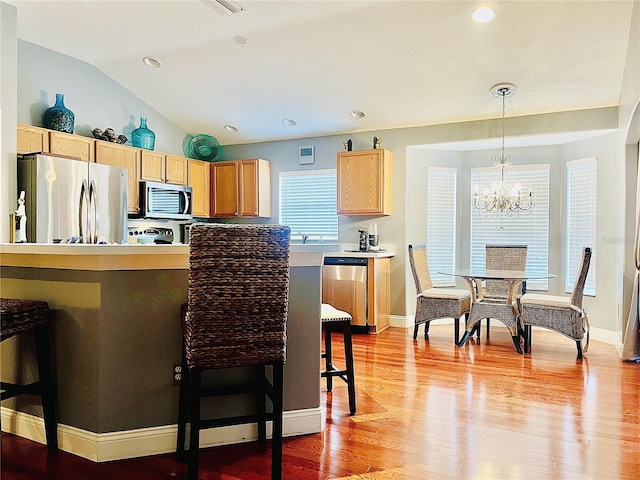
<point>104,447</point>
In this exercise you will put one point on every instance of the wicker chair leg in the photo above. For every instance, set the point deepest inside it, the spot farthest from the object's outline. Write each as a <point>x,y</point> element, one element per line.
<point>527,338</point>
<point>261,408</point>
<point>426,329</point>
<point>415,331</point>
<point>456,330</point>
<point>488,328</point>
<point>579,347</point>
<point>47,391</point>
<point>276,438</point>
<point>194,414</point>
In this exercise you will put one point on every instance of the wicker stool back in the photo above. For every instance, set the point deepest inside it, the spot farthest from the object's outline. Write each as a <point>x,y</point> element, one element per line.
<point>236,316</point>
<point>19,316</point>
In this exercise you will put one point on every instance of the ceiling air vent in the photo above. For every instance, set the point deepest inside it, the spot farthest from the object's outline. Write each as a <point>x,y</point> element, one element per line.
<point>224,7</point>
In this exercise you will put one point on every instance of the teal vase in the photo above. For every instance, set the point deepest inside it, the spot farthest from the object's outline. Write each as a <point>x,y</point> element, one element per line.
<point>142,137</point>
<point>58,117</point>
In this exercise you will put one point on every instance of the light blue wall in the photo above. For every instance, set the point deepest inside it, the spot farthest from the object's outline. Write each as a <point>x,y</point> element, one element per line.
<point>96,100</point>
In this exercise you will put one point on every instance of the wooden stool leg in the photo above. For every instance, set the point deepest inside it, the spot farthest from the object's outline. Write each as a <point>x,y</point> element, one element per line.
<point>194,414</point>
<point>348,355</point>
<point>328,363</point>
<point>276,438</point>
<point>47,391</point>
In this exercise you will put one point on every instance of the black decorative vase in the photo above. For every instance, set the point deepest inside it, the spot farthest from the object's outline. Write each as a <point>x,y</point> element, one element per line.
<point>58,117</point>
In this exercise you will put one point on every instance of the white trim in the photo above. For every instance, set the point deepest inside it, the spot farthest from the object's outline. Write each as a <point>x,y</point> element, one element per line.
<point>104,447</point>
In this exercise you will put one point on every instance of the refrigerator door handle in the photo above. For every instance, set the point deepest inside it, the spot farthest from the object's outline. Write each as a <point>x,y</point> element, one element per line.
<point>93,211</point>
<point>186,202</point>
<point>81,207</point>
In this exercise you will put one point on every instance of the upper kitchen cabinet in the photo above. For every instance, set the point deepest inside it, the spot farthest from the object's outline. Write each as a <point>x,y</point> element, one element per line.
<point>32,139</point>
<point>70,145</point>
<point>364,182</point>
<point>158,167</point>
<point>241,188</point>
<point>199,181</point>
<point>126,157</point>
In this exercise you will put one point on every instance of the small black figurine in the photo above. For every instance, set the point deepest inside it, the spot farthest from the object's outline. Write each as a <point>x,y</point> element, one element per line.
<point>375,141</point>
<point>349,145</point>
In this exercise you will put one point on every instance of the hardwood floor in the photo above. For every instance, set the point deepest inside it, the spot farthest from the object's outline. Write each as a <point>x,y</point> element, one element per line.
<point>429,410</point>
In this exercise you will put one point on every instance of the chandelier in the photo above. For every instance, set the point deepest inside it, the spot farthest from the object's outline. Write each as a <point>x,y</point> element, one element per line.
<point>502,197</point>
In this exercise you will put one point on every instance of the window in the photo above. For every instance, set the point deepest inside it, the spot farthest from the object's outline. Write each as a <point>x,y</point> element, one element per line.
<point>309,203</point>
<point>441,224</point>
<point>582,178</point>
<point>529,228</point>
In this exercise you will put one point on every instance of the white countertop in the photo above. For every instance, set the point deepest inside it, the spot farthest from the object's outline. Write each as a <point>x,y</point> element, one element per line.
<point>116,257</point>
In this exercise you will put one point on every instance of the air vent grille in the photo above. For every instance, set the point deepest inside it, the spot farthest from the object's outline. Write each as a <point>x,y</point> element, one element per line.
<point>224,7</point>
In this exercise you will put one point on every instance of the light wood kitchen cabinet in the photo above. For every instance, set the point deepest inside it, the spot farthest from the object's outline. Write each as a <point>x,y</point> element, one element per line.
<point>379,272</point>
<point>364,182</point>
<point>152,166</point>
<point>123,156</point>
<point>176,169</point>
<point>199,181</point>
<point>32,139</point>
<point>241,188</point>
<point>70,145</point>
<point>159,167</point>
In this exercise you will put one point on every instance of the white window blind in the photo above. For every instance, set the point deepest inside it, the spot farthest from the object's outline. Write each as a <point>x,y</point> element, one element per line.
<point>441,223</point>
<point>309,203</point>
<point>582,176</point>
<point>529,228</point>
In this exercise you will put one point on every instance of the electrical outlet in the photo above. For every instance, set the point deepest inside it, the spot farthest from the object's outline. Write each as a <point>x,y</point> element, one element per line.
<point>177,373</point>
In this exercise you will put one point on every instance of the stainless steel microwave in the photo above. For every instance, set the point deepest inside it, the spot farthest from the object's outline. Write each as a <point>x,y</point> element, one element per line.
<point>164,200</point>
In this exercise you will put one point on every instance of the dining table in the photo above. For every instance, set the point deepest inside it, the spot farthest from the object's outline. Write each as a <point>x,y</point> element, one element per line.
<point>506,309</point>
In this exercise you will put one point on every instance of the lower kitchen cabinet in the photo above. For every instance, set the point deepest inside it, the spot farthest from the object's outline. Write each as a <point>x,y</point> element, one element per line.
<point>361,287</point>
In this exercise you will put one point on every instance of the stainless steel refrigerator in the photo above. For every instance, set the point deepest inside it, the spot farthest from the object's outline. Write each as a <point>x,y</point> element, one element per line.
<point>72,201</point>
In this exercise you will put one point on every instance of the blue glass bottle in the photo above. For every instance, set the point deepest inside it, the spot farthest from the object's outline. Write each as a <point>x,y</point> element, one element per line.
<point>142,137</point>
<point>58,117</point>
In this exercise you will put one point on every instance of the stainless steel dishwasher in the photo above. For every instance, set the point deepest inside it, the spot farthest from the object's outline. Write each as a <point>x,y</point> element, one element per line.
<point>344,285</point>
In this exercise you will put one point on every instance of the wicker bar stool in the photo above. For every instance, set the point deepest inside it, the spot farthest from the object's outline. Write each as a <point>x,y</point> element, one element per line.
<point>334,320</point>
<point>236,316</point>
<point>19,316</point>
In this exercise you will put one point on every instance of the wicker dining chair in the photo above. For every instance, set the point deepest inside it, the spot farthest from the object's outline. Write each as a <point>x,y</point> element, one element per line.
<point>434,302</point>
<point>502,257</point>
<point>236,316</point>
<point>565,315</point>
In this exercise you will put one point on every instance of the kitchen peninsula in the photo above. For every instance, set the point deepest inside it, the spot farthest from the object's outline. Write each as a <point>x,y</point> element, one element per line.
<point>116,338</point>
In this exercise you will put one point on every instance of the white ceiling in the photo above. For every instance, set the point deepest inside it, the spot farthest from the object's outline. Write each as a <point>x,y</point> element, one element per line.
<point>403,63</point>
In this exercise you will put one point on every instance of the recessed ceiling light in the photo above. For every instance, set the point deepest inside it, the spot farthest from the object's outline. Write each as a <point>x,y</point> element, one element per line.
<point>230,128</point>
<point>289,122</point>
<point>357,114</point>
<point>240,40</point>
<point>151,62</point>
<point>483,15</point>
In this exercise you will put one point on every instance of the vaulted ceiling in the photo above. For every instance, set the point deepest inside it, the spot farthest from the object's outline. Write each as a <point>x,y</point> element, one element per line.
<point>402,63</point>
